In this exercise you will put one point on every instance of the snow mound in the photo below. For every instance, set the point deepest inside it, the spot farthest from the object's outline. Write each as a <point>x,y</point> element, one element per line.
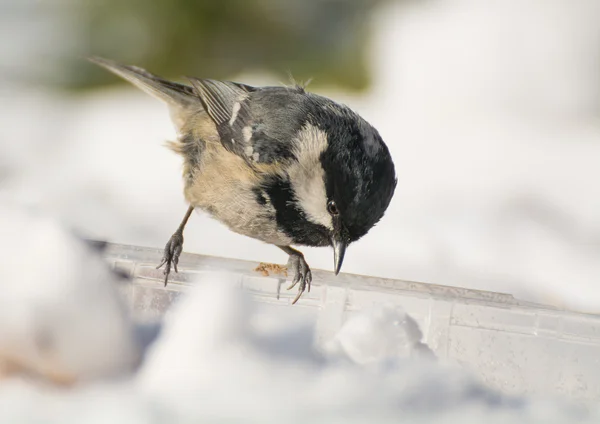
<point>61,317</point>
<point>378,334</point>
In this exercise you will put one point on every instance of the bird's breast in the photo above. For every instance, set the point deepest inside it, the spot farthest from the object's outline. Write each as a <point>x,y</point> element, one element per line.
<point>225,187</point>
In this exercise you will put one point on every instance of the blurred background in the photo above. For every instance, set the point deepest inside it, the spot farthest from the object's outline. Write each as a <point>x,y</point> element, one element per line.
<point>490,109</point>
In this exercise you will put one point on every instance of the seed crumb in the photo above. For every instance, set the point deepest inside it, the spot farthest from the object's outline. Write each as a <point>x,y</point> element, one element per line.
<point>266,269</point>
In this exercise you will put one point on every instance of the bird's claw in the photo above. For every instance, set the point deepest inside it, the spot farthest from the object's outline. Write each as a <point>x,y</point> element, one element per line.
<point>302,274</point>
<point>171,254</point>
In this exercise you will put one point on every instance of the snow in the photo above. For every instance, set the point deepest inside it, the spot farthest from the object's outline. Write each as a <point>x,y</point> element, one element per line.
<point>380,334</point>
<point>490,111</point>
<point>59,321</point>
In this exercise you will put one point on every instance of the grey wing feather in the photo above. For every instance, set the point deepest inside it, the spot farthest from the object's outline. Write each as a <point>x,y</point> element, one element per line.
<point>219,98</point>
<point>228,106</point>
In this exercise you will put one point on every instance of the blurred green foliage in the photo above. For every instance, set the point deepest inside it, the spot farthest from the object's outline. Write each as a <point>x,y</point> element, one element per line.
<point>320,39</point>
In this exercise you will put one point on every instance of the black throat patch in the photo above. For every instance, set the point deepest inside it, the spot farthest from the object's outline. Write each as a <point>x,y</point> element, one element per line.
<point>290,217</point>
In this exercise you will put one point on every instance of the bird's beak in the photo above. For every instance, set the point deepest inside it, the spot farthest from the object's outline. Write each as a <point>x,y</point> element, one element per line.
<point>339,249</point>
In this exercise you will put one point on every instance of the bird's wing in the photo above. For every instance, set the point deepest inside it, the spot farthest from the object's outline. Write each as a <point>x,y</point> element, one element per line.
<point>227,105</point>
<point>250,124</point>
<point>258,124</point>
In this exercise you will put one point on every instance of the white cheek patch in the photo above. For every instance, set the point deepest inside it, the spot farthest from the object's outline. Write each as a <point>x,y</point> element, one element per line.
<point>308,178</point>
<point>312,199</point>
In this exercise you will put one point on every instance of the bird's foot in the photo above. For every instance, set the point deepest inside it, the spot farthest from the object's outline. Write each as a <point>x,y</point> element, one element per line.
<point>171,254</point>
<point>297,264</point>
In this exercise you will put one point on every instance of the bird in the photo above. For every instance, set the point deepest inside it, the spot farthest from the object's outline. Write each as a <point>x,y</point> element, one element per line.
<point>275,163</point>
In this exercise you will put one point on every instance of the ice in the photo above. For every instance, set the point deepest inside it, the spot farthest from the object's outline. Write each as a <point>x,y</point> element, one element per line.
<point>513,346</point>
<point>379,334</point>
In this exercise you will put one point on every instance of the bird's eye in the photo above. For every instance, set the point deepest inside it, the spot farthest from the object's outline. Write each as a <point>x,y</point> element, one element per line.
<point>332,208</point>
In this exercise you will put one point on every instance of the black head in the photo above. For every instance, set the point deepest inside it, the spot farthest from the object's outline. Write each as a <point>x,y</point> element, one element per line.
<point>342,184</point>
<point>360,178</point>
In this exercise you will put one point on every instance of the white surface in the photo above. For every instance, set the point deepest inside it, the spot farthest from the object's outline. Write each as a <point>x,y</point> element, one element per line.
<point>515,347</point>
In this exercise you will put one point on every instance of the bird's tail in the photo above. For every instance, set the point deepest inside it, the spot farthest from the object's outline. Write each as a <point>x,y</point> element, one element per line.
<point>174,94</point>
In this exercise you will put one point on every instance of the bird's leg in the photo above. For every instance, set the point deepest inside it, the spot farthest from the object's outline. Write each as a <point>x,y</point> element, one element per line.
<point>174,247</point>
<point>301,270</point>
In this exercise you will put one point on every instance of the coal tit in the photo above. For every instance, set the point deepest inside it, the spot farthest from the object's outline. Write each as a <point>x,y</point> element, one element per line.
<point>278,164</point>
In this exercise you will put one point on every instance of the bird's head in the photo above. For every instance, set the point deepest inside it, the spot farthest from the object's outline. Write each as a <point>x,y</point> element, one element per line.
<point>339,184</point>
